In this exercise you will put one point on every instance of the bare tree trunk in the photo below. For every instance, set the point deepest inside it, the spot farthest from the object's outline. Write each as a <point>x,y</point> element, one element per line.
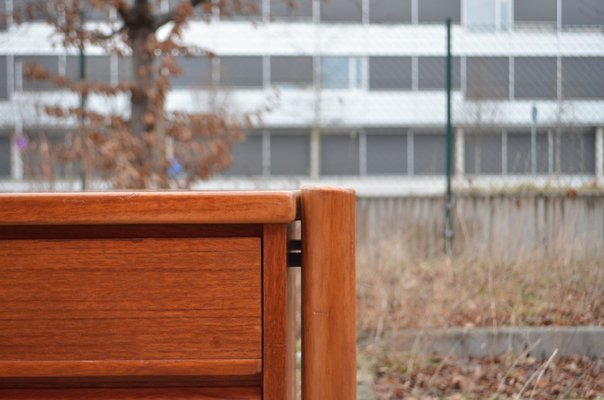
<point>139,31</point>
<point>139,98</point>
<point>140,23</point>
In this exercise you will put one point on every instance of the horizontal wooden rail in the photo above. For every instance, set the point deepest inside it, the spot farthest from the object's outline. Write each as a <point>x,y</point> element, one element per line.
<point>13,369</point>
<point>147,208</point>
<point>184,393</point>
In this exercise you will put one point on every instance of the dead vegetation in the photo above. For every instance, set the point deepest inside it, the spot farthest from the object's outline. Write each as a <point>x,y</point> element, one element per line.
<point>397,293</point>
<point>494,378</point>
<point>475,289</point>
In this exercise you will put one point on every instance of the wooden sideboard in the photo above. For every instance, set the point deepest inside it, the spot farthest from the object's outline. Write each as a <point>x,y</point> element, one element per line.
<point>177,295</point>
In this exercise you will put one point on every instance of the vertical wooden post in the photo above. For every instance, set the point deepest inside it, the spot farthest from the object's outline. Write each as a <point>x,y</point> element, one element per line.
<point>274,277</point>
<point>328,294</point>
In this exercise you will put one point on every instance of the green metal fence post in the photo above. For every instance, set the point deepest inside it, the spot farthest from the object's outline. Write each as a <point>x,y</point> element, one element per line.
<point>449,150</point>
<point>83,98</point>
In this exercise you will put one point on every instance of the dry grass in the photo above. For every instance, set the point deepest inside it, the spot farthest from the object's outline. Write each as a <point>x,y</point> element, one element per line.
<point>493,378</point>
<point>510,269</point>
<point>395,293</point>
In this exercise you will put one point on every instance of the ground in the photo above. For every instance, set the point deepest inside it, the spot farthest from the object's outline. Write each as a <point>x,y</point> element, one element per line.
<point>470,291</point>
<point>507,377</point>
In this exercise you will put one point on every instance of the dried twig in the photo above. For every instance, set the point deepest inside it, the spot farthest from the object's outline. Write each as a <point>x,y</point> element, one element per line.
<point>522,355</point>
<point>539,373</point>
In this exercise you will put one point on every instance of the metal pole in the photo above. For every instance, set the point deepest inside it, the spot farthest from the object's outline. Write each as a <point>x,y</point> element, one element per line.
<point>315,132</point>
<point>534,140</point>
<point>449,152</point>
<point>82,60</point>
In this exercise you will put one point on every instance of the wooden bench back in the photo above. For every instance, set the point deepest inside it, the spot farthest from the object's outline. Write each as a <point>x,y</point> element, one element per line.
<point>175,295</point>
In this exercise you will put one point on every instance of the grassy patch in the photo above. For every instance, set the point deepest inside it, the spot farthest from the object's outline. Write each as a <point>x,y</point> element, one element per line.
<point>395,293</point>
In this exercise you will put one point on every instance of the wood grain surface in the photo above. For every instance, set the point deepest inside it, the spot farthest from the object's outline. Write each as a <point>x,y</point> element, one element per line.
<point>131,368</point>
<point>274,252</point>
<point>246,393</point>
<point>154,302</point>
<point>328,294</point>
<point>147,208</point>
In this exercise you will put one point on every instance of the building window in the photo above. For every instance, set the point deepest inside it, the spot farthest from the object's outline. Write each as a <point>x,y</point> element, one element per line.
<point>386,151</point>
<point>341,73</point>
<point>290,152</point>
<point>5,155</point>
<point>199,12</point>
<point>482,153</point>
<point>50,63</point>
<point>390,11</point>
<point>583,78</point>
<point>291,71</point>
<point>342,11</point>
<point>431,73</point>
<point>285,9</point>
<point>92,13</point>
<point>519,152</point>
<point>248,9</point>
<point>41,157</point>
<point>97,68</point>
<point>340,154</point>
<point>3,77</point>
<point>4,17</point>
<point>480,14</point>
<point>535,78</point>
<point>32,10</point>
<point>247,157</point>
<point>196,72</point>
<point>124,69</point>
<point>576,153</point>
<point>241,71</point>
<point>535,12</point>
<point>390,73</point>
<point>57,141</point>
<point>428,153</point>
<point>488,14</point>
<point>582,13</point>
<point>437,11</point>
<point>504,18</point>
<point>488,78</point>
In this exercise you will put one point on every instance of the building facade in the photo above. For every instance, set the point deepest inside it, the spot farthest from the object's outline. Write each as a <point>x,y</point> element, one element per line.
<point>357,93</point>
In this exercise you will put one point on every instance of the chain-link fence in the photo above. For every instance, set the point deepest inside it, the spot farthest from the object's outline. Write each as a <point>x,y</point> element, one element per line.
<point>530,102</point>
<point>353,91</point>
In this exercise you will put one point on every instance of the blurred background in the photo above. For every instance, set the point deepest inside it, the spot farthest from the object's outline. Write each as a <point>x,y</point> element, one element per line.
<point>354,94</point>
<point>356,90</point>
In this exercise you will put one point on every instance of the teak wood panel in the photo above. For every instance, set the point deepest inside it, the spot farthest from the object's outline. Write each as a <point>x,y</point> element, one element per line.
<point>328,294</point>
<point>274,251</point>
<point>147,208</point>
<point>245,393</point>
<point>155,300</point>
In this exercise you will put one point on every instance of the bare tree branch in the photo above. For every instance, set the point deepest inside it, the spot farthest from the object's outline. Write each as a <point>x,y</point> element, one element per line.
<point>169,16</point>
<point>101,36</point>
<point>121,7</point>
<point>150,147</point>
